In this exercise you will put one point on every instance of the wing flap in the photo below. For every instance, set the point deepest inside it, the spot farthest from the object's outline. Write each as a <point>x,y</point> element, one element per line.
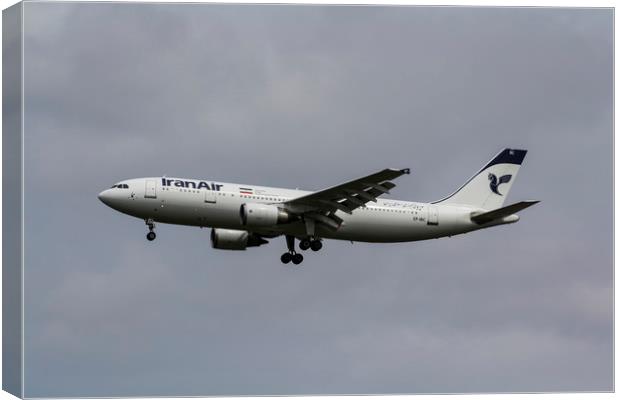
<point>336,206</point>
<point>348,196</point>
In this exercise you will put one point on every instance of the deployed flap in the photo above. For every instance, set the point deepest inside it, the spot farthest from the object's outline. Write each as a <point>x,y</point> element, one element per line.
<point>350,195</point>
<point>502,212</point>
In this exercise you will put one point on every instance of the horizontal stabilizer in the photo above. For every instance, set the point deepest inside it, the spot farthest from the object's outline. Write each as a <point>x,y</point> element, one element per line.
<point>502,212</point>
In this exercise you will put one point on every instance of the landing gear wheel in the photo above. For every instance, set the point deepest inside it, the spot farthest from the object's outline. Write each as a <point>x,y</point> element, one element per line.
<point>286,258</point>
<point>304,244</point>
<point>151,224</point>
<point>316,245</point>
<point>297,258</point>
<point>291,255</point>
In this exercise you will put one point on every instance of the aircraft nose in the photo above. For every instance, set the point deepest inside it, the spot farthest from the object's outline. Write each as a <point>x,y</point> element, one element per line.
<point>105,197</point>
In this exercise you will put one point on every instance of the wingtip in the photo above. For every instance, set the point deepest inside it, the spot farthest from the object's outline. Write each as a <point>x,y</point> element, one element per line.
<point>406,171</point>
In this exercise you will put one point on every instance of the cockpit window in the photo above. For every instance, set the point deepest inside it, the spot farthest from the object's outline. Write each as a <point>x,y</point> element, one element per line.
<point>120,186</point>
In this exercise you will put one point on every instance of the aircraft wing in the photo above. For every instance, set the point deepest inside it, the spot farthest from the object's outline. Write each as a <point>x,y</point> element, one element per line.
<point>348,196</point>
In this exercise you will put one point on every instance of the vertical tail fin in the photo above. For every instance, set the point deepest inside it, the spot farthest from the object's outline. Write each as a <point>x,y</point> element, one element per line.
<point>490,186</point>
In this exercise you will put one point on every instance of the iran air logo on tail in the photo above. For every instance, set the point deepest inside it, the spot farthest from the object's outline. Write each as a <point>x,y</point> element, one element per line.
<point>495,183</point>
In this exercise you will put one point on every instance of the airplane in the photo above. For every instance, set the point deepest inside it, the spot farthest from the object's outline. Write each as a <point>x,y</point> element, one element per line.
<point>243,216</point>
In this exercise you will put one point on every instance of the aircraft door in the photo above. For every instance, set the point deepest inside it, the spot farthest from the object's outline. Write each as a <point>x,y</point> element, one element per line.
<point>433,215</point>
<point>150,191</point>
<point>209,196</point>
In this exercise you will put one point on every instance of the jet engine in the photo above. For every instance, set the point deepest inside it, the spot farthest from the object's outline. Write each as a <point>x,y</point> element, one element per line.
<point>254,214</point>
<point>232,239</point>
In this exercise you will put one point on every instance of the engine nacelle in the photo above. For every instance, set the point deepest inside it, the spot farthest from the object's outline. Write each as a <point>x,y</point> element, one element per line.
<point>232,239</point>
<point>255,214</point>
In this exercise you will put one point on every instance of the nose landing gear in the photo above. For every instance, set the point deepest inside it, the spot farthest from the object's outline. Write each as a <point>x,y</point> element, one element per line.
<point>151,235</point>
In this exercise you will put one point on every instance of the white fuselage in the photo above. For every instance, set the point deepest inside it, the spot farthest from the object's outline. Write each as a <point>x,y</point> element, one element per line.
<point>217,205</point>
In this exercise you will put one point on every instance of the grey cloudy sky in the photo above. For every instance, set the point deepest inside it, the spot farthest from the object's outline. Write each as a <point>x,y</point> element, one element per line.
<point>308,96</point>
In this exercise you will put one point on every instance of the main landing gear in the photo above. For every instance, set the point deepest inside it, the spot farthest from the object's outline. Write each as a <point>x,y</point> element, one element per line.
<point>292,255</point>
<point>314,244</point>
<point>304,244</point>
<point>151,235</point>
